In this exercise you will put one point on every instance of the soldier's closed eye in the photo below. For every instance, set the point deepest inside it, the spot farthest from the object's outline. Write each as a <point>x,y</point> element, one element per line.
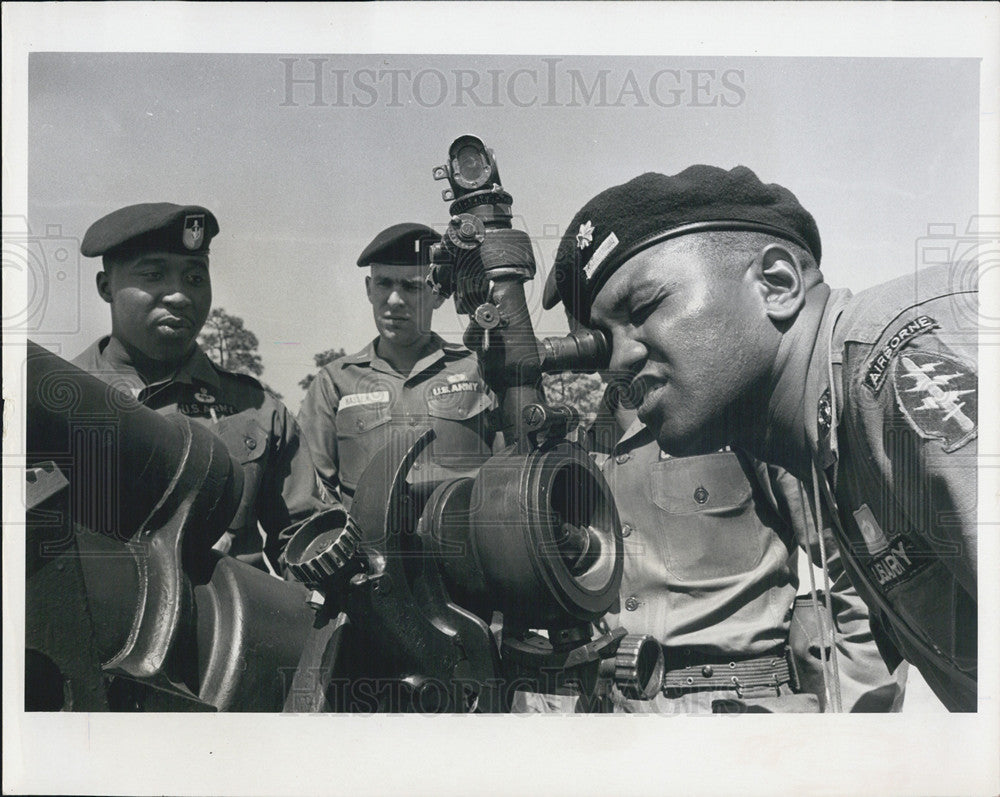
<point>643,309</point>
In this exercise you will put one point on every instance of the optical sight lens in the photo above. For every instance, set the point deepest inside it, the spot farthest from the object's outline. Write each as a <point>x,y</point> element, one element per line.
<point>471,164</point>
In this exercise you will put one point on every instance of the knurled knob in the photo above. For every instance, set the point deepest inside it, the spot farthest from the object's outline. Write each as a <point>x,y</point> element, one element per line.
<point>322,547</point>
<point>639,666</point>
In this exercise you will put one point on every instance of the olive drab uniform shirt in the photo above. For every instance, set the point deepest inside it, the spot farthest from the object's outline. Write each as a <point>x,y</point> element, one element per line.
<point>280,485</point>
<point>894,446</point>
<point>710,567</point>
<point>355,403</point>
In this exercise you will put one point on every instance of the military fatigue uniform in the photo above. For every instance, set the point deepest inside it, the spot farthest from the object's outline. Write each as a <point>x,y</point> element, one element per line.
<point>280,485</point>
<point>711,572</point>
<point>356,402</point>
<point>895,450</point>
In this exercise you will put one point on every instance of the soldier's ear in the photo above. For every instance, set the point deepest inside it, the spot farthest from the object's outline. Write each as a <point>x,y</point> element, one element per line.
<point>104,285</point>
<point>438,299</point>
<point>777,273</point>
<point>368,286</point>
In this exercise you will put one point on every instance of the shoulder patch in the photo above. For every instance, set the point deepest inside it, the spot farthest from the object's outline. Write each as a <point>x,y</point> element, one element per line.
<point>937,395</point>
<point>882,357</point>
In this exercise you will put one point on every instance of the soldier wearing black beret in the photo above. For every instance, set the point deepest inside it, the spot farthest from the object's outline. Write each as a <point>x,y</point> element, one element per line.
<point>707,602</point>
<point>157,284</point>
<point>408,376</point>
<point>708,284</point>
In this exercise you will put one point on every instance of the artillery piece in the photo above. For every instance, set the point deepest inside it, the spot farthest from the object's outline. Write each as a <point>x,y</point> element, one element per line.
<point>448,599</point>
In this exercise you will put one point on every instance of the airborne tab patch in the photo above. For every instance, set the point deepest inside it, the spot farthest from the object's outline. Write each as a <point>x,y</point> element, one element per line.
<point>878,365</point>
<point>937,395</point>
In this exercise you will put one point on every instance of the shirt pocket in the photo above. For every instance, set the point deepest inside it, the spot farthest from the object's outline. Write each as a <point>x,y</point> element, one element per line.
<point>244,437</point>
<point>709,526</point>
<point>361,431</point>
<point>461,429</point>
<point>248,443</point>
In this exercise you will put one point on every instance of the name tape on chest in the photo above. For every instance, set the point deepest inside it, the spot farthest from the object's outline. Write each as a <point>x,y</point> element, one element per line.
<point>878,365</point>
<point>361,399</point>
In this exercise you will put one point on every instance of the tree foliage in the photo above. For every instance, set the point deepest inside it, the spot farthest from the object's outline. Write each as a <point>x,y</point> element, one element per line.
<point>581,391</point>
<point>321,359</point>
<point>229,344</point>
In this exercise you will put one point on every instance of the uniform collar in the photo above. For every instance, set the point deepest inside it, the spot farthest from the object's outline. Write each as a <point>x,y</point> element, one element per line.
<point>638,434</point>
<point>108,355</point>
<point>822,396</point>
<point>198,368</point>
<point>442,350</point>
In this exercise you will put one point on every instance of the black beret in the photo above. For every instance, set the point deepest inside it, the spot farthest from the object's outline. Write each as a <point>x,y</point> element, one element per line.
<point>550,293</point>
<point>400,245</point>
<point>622,221</point>
<point>152,226</point>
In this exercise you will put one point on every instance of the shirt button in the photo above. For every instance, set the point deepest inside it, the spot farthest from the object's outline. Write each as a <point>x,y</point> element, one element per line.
<point>621,459</point>
<point>707,671</point>
<point>361,425</point>
<point>631,603</point>
<point>251,443</point>
<point>701,495</point>
<point>626,530</point>
<point>417,466</point>
<point>413,421</point>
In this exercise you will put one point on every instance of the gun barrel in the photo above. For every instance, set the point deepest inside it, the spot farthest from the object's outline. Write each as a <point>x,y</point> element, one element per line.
<point>122,459</point>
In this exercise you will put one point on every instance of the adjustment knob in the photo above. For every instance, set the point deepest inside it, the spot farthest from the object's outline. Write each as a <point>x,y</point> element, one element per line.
<point>322,547</point>
<point>487,315</point>
<point>465,231</point>
<point>639,667</point>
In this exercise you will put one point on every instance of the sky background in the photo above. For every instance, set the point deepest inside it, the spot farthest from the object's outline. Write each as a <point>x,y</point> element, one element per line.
<point>302,176</point>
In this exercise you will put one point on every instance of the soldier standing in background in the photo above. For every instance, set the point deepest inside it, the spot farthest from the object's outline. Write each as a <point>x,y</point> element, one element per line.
<point>407,377</point>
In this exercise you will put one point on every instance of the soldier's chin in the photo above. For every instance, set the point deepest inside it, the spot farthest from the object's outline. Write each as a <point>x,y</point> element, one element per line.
<point>172,342</point>
<point>684,442</point>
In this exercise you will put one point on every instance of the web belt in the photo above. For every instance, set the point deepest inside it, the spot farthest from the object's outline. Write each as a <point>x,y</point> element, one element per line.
<point>766,671</point>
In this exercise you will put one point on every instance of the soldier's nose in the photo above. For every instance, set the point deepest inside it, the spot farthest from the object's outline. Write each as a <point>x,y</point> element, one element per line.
<point>626,354</point>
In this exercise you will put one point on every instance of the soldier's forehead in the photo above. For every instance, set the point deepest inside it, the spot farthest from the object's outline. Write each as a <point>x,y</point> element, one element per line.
<point>161,258</point>
<point>398,273</point>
